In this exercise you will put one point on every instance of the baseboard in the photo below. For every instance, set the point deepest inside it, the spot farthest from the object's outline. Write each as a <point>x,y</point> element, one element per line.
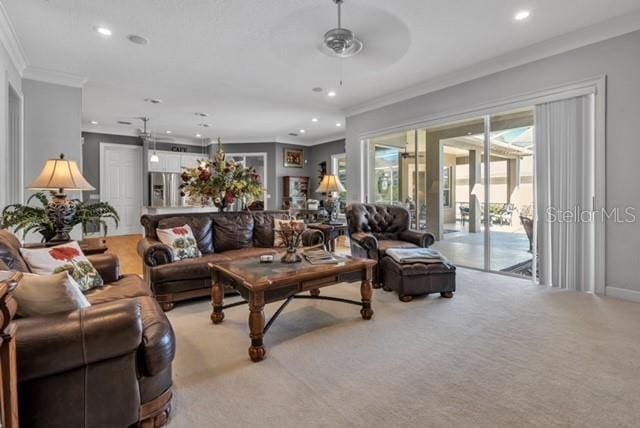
<point>623,293</point>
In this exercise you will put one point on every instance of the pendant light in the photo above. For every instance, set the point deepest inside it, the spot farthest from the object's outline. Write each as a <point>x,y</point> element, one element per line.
<point>203,162</point>
<point>147,136</point>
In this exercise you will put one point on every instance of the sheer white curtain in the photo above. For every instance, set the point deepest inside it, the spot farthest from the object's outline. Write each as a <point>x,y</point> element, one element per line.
<point>565,171</point>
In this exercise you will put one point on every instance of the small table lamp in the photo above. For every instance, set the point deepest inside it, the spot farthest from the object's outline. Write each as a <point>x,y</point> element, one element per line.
<point>329,185</point>
<point>57,176</point>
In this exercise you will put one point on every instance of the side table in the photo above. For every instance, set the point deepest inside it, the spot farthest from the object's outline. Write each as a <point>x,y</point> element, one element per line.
<point>331,233</point>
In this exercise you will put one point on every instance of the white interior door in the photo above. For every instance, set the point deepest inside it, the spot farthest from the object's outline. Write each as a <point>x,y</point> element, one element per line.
<point>121,185</point>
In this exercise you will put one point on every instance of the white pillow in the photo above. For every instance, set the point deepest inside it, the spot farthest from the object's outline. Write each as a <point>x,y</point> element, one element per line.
<point>277,239</point>
<point>181,240</point>
<point>65,257</point>
<point>42,295</point>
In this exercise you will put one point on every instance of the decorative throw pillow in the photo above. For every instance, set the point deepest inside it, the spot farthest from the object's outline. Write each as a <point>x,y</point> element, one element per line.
<point>181,241</point>
<point>65,257</point>
<point>48,294</point>
<point>277,239</point>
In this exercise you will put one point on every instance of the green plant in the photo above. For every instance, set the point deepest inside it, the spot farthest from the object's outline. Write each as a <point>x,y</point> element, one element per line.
<point>27,218</point>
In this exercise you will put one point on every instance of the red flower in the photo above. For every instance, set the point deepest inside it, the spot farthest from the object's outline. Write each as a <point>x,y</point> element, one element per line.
<point>205,175</point>
<point>180,231</point>
<point>64,253</point>
<point>185,176</point>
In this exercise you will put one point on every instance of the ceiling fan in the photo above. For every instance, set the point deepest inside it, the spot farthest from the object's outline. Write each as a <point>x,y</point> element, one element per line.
<point>341,42</point>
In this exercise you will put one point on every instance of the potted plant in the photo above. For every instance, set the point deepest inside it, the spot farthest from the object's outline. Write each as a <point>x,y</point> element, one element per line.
<point>27,218</point>
<point>221,181</point>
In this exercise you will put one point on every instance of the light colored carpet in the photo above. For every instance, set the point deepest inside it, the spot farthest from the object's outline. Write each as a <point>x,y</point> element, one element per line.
<point>502,352</point>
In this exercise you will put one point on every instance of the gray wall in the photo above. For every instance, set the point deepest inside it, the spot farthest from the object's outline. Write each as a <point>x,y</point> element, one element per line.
<point>8,70</point>
<point>323,153</point>
<point>619,59</point>
<point>91,155</point>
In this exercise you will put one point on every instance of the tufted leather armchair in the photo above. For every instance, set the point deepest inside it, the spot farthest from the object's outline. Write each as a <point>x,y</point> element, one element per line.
<point>374,228</point>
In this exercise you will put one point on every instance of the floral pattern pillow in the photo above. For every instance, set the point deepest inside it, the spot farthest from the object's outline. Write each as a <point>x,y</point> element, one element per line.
<point>181,240</point>
<point>65,257</point>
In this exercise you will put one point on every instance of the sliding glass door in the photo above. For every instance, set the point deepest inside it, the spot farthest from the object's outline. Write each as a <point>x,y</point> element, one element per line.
<point>470,183</point>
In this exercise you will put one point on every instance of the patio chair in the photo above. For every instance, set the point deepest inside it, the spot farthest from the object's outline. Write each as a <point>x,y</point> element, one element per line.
<point>464,213</point>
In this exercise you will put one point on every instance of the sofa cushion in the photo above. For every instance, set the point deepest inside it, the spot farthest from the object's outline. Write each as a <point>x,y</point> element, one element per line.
<point>64,257</point>
<point>262,230</point>
<point>232,231</point>
<point>10,252</point>
<point>128,286</point>
<point>184,269</point>
<point>200,226</point>
<point>48,294</point>
<point>181,241</point>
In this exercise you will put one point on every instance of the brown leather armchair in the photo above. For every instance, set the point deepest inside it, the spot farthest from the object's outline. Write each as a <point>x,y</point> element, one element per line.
<point>108,365</point>
<point>374,228</point>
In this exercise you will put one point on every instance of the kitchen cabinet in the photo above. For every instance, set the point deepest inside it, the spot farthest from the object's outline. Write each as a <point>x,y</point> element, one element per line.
<point>167,162</point>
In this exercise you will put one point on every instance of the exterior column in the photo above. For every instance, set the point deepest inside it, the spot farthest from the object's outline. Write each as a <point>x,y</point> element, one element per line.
<point>433,193</point>
<point>475,177</point>
<point>513,179</point>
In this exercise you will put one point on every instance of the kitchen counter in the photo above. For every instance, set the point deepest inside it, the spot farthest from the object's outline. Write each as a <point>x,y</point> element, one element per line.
<point>178,209</point>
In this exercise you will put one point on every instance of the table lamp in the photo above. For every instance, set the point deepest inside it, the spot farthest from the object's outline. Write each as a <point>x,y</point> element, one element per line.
<point>329,185</point>
<point>59,175</point>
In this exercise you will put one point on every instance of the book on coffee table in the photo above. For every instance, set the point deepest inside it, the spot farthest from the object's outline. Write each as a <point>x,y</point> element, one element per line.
<point>320,256</point>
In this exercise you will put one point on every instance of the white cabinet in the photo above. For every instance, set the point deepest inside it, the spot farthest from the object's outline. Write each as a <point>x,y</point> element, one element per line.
<point>167,162</point>
<point>191,160</point>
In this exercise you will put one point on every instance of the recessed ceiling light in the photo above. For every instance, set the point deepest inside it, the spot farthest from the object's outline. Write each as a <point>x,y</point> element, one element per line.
<point>103,30</point>
<point>317,89</point>
<point>338,124</point>
<point>168,132</point>
<point>94,122</point>
<point>201,114</point>
<point>315,119</point>
<point>302,131</point>
<point>331,93</point>
<point>204,125</point>
<point>138,40</point>
<point>153,100</point>
<point>124,122</point>
<point>198,135</point>
<point>293,134</point>
<point>523,14</point>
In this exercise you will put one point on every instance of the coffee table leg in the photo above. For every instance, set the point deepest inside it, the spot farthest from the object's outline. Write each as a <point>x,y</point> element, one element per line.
<point>366,291</point>
<point>315,292</point>
<point>217,295</point>
<point>256,326</point>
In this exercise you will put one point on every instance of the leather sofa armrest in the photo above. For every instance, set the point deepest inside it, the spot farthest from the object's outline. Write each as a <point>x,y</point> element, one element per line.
<point>158,339</point>
<point>421,239</point>
<point>107,265</point>
<point>312,237</point>
<point>154,253</point>
<point>365,240</point>
<point>56,343</point>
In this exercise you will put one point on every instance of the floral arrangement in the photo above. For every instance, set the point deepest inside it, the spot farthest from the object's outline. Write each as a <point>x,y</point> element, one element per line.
<point>221,181</point>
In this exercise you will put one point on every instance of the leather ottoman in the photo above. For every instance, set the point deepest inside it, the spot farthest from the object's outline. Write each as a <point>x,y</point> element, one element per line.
<point>416,279</point>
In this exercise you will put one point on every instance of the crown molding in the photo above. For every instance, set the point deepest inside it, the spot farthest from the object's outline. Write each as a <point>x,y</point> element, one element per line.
<point>576,39</point>
<point>10,41</point>
<point>54,76</point>
<point>110,130</point>
<point>330,139</point>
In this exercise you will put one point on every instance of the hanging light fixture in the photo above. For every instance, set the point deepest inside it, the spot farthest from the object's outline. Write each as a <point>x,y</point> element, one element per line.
<point>147,136</point>
<point>203,162</point>
<point>341,42</point>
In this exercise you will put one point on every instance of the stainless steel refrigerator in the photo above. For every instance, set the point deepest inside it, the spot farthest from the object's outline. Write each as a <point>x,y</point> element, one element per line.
<point>165,189</point>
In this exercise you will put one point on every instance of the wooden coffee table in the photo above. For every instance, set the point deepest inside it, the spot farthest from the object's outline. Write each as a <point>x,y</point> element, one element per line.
<point>262,283</point>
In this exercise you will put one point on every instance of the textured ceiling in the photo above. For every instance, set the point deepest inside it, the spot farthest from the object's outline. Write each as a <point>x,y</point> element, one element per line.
<point>251,64</point>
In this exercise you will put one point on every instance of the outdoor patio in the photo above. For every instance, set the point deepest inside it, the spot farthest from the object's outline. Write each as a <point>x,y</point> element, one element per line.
<point>509,246</point>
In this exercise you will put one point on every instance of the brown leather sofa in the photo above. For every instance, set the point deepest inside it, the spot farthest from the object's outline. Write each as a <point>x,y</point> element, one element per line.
<point>108,365</point>
<point>374,228</point>
<point>220,237</point>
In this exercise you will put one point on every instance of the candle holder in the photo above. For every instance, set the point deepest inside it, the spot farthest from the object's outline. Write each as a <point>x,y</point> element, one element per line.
<point>291,234</point>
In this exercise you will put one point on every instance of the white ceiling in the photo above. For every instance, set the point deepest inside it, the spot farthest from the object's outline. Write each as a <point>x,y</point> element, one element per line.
<point>251,64</point>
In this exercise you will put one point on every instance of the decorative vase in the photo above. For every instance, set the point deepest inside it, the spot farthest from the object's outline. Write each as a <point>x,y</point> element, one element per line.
<point>291,234</point>
<point>291,256</point>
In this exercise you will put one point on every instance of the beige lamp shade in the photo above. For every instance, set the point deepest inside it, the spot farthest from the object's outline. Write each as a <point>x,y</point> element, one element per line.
<point>61,174</point>
<point>330,184</point>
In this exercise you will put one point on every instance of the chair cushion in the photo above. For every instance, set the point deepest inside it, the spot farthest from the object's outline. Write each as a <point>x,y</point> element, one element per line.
<point>200,226</point>
<point>385,244</point>
<point>185,269</point>
<point>128,286</point>
<point>232,231</point>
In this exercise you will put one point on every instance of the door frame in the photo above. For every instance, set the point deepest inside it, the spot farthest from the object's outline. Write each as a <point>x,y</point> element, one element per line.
<point>103,146</point>
<point>596,86</point>
<point>19,188</point>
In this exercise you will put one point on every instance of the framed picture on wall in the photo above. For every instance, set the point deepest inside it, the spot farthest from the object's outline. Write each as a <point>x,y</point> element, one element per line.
<point>293,158</point>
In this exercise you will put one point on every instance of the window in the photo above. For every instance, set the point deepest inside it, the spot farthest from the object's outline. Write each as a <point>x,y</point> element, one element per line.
<point>446,186</point>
